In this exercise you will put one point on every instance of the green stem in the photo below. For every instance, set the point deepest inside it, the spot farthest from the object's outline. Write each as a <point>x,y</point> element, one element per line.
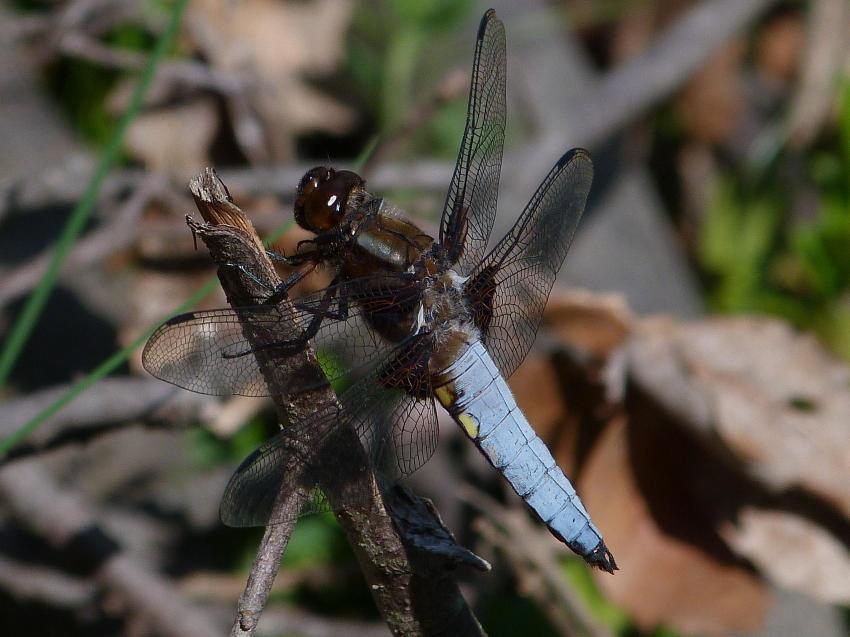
<point>101,371</point>
<point>28,318</point>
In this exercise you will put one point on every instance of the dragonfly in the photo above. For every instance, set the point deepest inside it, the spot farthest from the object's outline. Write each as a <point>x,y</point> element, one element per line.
<point>409,321</point>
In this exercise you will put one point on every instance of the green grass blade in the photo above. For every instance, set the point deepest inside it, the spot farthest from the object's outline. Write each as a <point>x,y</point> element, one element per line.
<point>25,323</point>
<point>101,371</point>
<point>116,360</point>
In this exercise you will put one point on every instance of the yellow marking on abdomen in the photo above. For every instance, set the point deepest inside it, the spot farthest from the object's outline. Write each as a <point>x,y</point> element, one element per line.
<point>445,396</point>
<point>447,399</point>
<point>469,424</point>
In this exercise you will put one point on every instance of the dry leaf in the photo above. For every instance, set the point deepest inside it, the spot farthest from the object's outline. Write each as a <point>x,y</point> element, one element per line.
<point>798,554</point>
<point>663,577</point>
<point>277,44</point>
<point>538,393</point>
<point>781,402</point>
<point>711,104</point>
<point>724,423</point>
<point>596,323</point>
<point>174,140</point>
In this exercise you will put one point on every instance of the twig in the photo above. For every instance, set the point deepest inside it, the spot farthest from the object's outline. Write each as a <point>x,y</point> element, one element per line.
<point>217,586</point>
<point>80,45</point>
<point>187,72</point>
<point>119,232</point>
<point>534,558</point>
<point>110,404</point>
<point>37,583</point>
<point>253,600</point>
<point>65,183</point>
<point>410,602</point>
<point>289,621</point>
<point>826,50</point>
<point>68,523</point>
<point>626,92</point>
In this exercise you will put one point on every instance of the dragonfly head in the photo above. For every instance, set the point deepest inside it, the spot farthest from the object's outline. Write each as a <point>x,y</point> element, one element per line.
<point>323,197</point>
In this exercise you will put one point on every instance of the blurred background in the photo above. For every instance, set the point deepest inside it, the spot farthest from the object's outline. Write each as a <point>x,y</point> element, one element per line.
<point>691,374</point>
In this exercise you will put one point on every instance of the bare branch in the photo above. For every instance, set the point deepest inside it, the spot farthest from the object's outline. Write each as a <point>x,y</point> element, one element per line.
<point>826,50</point>
<point>185,72</point>
<point>629,90</point>
<point>68,522</point>
<point>261,578</point>
<point>110,404</point>
<point>37,583</point>
<point>119,232</point>
<point>291,621</point>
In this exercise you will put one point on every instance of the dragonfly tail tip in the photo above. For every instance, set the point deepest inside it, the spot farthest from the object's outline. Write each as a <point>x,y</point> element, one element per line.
<point>602,559</point>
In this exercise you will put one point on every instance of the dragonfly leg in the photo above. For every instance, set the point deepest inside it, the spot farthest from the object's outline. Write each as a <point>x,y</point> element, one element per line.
<point>296,344</point>
<point>281,292</point>
<point>277,256</point>
<point>324,311</point>
<point>295,260</point>
<point>250,275</point>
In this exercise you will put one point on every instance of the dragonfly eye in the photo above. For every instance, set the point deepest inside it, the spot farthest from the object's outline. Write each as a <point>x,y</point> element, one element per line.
<point>322,198</point>
<point>311,180</point>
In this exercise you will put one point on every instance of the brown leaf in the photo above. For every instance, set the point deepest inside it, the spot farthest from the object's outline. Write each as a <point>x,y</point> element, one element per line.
<point>663,577</point>
<point>276,45</point>
<point>798,554</point>
<point>781,402</point>
<point>174,140</point>
<point>596,323</point>
<point>711,103</point>
<point>729,449</point>
<point>538,393</point>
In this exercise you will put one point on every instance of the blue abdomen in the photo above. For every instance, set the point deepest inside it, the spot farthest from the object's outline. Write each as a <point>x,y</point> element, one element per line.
<point>481,402</point>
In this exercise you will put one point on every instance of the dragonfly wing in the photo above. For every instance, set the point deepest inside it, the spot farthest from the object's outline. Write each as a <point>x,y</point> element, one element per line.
<point>509,289</point>
<point>470,207</point>
<point>397,423</point>
<point>203,352</point>
<point>390,410</point>
<point>210,352</point>
<point>250,495</point>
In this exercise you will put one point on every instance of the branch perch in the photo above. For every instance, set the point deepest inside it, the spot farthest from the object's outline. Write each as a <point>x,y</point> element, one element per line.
<point>413,600</point>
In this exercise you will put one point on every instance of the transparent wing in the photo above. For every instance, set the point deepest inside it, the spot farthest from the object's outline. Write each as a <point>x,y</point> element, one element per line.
<point>390,411</point>
<point>210,352</point>
<point>508,290</point>
<point>470,207</point>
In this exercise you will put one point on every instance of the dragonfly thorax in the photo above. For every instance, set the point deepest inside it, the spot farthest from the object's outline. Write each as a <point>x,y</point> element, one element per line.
<point>444,306</point>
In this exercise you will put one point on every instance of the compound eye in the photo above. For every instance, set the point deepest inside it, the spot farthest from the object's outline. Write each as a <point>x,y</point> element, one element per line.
<point>335,204</point>
<point>311,180</point>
